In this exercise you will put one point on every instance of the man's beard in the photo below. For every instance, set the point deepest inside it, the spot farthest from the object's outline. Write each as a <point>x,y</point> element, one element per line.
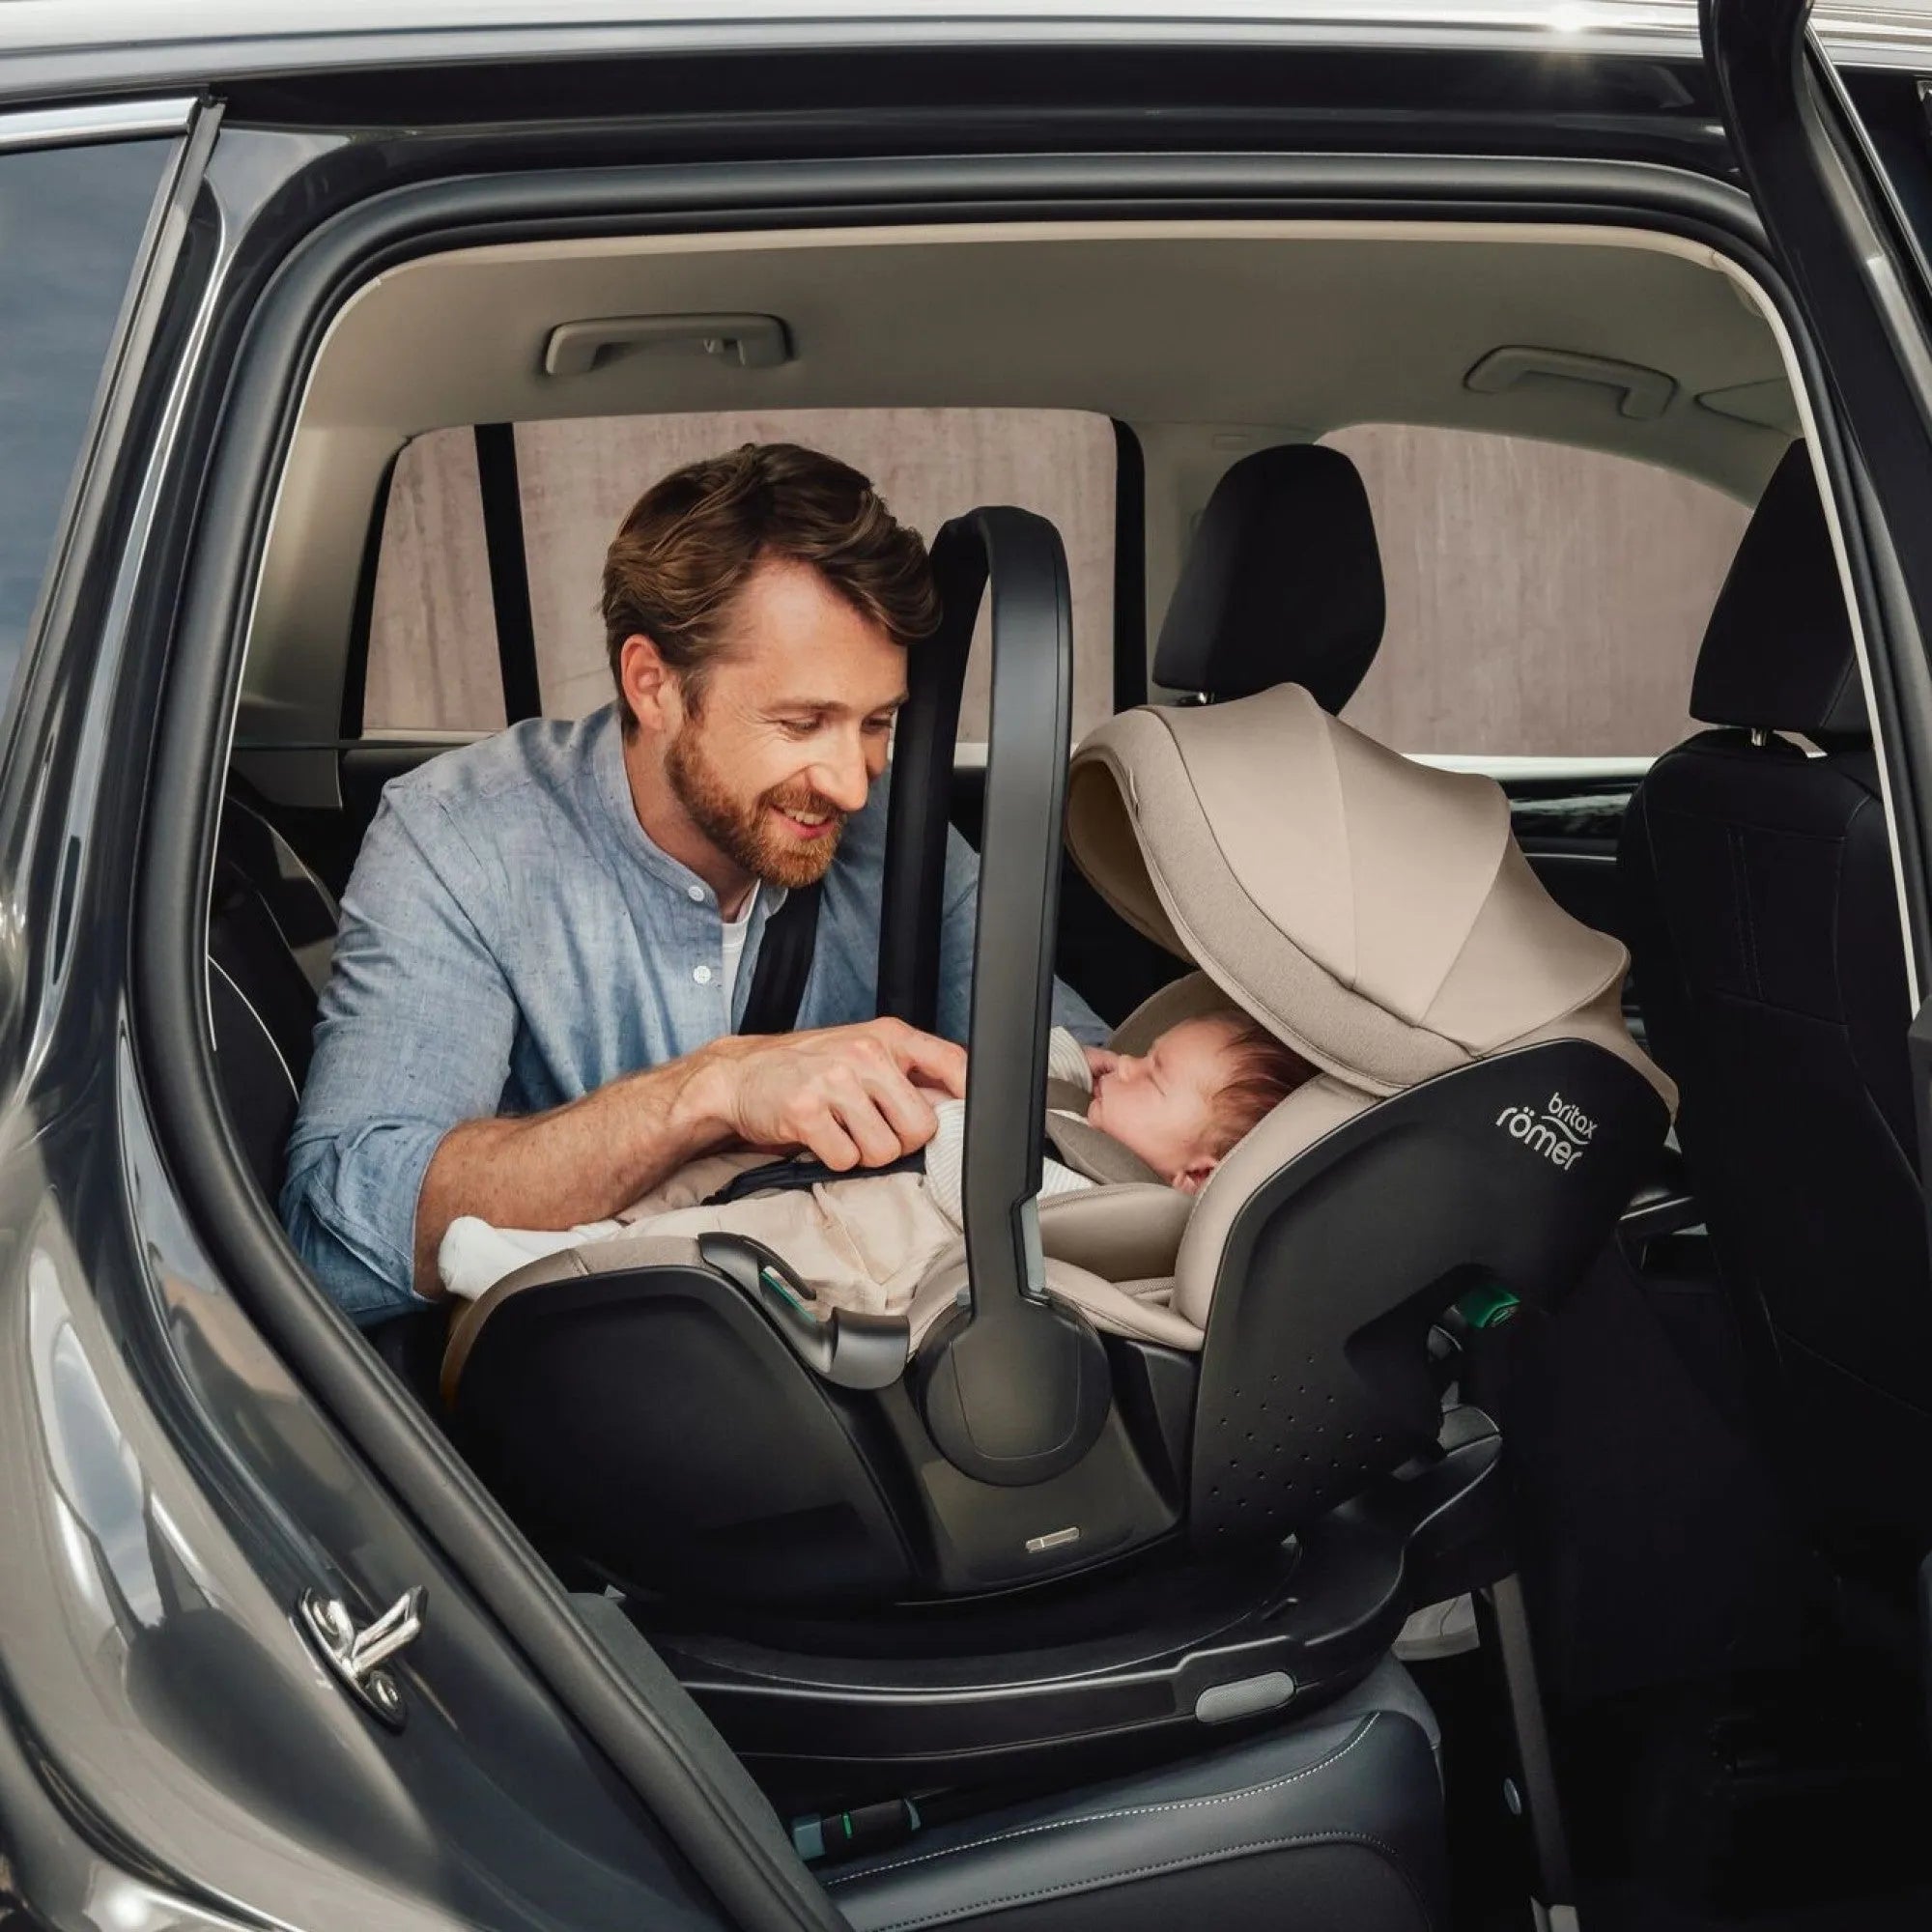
<point>742,829</point>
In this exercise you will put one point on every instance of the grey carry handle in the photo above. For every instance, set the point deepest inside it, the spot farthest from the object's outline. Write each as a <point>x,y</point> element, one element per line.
<point>1014,1387</point>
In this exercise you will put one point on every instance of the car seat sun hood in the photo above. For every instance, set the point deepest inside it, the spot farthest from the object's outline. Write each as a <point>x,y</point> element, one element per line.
<point>1373,912</point>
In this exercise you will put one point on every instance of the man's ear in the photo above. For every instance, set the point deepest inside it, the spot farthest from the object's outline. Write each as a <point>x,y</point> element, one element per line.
<point>650,687</point>
<point>1193,1177</point>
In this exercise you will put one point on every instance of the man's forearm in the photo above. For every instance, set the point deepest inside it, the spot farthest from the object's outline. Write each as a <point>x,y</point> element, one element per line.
<point>578,1162</point>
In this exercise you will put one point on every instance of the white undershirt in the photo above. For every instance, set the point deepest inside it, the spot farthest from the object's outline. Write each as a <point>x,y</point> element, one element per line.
<point>735,931</point>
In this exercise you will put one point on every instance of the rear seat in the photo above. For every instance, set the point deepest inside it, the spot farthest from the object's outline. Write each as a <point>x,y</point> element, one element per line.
<point>271,931</point>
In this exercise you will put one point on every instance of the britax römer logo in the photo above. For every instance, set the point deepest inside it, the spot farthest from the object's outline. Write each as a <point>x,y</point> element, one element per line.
<point>1561,1132</point>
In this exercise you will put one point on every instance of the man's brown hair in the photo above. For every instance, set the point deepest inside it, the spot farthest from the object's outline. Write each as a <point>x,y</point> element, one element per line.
<point>1264,1074</point>
<point>692,539</point>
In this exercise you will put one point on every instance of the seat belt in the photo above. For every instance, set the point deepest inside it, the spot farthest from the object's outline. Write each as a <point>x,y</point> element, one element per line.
<point>778,985</point>
<point>784,959</point>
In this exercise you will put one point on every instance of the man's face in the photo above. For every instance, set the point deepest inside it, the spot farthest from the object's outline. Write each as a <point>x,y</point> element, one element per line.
<point>790,728</point>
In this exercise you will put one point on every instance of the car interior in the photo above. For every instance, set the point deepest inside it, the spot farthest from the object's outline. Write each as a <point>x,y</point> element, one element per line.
<point>1661,1434</point>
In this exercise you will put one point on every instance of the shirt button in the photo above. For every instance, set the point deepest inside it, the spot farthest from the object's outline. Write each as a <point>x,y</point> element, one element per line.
<point>702,975</point>
<point>695,893</point>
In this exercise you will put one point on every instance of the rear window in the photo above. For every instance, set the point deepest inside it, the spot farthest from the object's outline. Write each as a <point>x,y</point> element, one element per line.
<point>71,226</point>
<point>1543,601</point>
<point>432,662</point>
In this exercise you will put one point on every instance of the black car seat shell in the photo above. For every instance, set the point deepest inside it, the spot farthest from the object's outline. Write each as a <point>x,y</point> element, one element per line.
<point>1770,959</point>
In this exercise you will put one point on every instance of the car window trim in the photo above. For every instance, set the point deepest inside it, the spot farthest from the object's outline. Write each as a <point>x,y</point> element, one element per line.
<point>90,124</point>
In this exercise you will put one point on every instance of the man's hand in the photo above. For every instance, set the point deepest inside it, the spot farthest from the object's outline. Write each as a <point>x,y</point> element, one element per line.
<point>852,1096</point>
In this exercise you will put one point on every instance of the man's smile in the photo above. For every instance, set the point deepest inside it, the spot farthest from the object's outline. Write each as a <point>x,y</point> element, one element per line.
<point>807,824</point>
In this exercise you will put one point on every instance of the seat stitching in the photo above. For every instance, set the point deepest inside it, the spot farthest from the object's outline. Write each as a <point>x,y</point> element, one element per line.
<point>1838,908</point>
<point>1702,815</point>
<point>294,1091</point>
<point>1364,1838</point>
<point>1728,996</point>
<point>1125,1811</point>
<point>1741,902</point>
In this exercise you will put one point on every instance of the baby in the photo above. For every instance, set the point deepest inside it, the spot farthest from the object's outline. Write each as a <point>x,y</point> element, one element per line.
<point>865,1240</point>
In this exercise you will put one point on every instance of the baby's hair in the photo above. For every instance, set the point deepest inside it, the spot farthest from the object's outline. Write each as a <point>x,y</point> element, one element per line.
<point>1263,1073</point>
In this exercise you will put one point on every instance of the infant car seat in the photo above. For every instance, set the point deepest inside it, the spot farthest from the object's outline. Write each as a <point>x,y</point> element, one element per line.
<point>1241,1377</point>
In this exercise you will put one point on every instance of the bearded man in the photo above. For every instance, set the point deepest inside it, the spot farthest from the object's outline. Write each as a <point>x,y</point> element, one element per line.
<point>550,936</point>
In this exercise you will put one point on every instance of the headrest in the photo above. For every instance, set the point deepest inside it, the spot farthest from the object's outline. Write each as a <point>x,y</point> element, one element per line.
<point>1374,913</point>
<point>1283,582</point>
<point>1778,652</point>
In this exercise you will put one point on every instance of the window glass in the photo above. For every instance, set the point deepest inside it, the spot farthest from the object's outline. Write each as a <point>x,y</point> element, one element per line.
<point>432,656</point>
<point>1542,600</point>
<point>432,624</point>
<point>71,223</point>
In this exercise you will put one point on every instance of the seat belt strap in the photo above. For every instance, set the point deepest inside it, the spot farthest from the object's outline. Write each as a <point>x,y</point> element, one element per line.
<point>802,1171</point>
<point>784,959</point>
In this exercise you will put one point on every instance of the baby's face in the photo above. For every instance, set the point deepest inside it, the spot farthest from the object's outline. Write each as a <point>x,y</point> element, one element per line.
<point>1160,1104</point>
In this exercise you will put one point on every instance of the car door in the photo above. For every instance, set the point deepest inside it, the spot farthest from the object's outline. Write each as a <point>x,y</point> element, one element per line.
<point>1854,252</point>
<point>1846,213</point>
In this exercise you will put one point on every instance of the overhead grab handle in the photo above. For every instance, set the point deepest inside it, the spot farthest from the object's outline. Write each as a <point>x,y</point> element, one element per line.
<point>1645,393</point>
<point>1014,1386</point>
<point>745,341</point>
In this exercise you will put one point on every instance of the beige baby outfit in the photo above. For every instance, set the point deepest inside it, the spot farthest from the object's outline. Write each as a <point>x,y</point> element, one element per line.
<point>862,1243</point>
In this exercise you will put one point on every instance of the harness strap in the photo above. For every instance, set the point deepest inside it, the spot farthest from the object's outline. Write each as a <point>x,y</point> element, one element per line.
<point>780,1176</point>
<point>784,959</point>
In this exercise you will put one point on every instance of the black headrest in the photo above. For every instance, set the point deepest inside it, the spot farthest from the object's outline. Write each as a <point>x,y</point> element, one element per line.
<point>1778,652</point>
<point>1283,582</point>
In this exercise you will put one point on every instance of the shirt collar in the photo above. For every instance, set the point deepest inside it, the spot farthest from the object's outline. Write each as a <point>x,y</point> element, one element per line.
<point>613,786</point>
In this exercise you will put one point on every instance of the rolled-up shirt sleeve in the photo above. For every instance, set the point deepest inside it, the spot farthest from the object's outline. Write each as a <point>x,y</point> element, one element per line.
<point>414,1035</point>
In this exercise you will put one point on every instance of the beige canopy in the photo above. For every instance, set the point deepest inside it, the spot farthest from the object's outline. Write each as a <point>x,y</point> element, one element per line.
<point>1373,912</point>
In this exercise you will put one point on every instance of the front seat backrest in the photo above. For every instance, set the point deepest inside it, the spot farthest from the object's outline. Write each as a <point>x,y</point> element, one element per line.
<point>1283,582</point>
<point>1769,964</point>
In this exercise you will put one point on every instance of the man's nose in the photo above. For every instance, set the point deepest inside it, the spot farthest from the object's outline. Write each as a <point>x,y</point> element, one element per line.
<point>844,777</point>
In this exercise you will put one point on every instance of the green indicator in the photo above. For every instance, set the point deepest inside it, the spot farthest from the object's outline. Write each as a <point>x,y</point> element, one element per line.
<point>1488,1306</point>
<point>773,1279</point>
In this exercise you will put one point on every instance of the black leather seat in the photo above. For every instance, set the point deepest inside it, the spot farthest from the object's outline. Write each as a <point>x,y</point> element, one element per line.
<point>1333,1824</point>
<point>1769,959</point>
<point>271,931</point>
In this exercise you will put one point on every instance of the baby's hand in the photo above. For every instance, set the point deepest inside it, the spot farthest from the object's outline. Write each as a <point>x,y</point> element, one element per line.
<point>1101,1059</point>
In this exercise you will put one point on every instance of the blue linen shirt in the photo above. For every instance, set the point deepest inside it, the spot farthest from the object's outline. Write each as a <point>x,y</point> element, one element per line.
<point>511,940</point>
